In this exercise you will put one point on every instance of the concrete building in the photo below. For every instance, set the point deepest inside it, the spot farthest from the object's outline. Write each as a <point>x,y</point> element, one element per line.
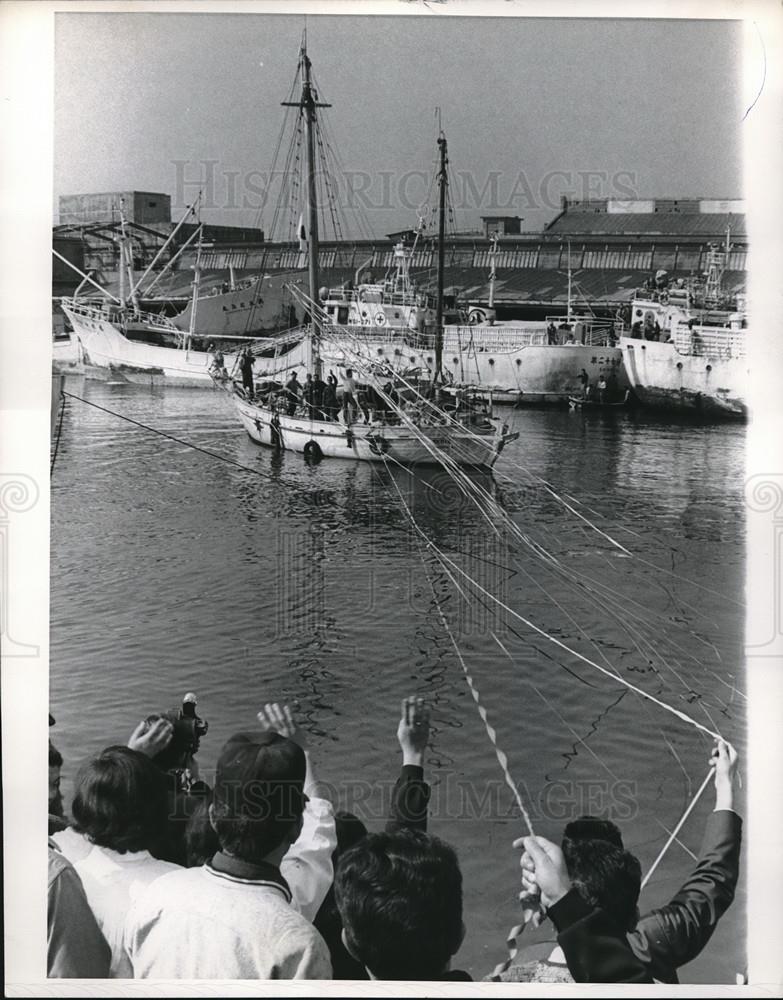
<point>144,207</point>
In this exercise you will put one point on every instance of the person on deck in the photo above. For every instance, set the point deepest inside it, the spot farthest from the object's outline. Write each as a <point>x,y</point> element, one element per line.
<point>601,389</point>
<point>293,387</point>
<point>584,381</point>
<point>246,367</point>
<point>330,396</point>
<point>308,396</point>
<point>349,397</point>
<point>319,386</point>
<point>604,875</point>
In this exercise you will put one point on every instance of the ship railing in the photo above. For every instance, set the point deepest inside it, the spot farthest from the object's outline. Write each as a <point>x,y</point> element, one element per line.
<point>374,295</point>
<point>489,338</point>
<point>116,314</point>
<point>721,342</point>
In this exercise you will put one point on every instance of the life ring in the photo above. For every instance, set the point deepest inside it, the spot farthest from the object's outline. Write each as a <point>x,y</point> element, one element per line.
<point>312,451</point>
<point>380,319</point>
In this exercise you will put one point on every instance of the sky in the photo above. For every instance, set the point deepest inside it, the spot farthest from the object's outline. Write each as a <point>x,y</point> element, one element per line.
<point>533,109</point>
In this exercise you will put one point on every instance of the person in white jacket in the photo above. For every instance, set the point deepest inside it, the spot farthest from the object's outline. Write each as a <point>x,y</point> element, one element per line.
<point>238,916</point>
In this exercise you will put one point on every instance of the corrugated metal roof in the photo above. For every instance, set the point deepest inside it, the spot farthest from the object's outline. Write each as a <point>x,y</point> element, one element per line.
<point>512,285</point>
<point>649,223</point>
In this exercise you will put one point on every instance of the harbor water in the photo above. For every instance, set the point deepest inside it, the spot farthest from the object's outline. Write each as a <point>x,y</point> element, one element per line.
<point>249,576</point>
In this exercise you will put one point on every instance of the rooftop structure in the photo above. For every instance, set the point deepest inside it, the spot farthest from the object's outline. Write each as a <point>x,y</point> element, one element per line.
<point>144,207</point>
<point>665,217</point>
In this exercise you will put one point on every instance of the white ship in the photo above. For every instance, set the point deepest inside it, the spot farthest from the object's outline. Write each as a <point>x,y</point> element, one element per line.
<point>522,362</point>
<point>688,350</point>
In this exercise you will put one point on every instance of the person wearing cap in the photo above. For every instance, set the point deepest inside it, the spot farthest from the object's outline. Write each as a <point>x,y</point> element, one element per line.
<point>234,917</point>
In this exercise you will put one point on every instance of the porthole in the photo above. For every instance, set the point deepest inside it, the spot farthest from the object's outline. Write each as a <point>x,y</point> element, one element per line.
<point>679,364</point>
<point>492,361</point>
<point>709,368</point>
<point>519,361</point>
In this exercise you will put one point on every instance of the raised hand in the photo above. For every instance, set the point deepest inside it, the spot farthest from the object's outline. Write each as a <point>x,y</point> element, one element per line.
<point>724,759</point>
<point>413,732</point>
<point>277,719</point>
<point>151,741</point>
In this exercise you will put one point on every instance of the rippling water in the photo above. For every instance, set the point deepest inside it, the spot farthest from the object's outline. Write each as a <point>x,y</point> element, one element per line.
<point>270,579</point>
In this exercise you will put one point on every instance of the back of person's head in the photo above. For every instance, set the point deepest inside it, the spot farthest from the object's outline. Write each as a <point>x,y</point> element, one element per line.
<point>605,876</point>
<point>258,798</point>
<point>400,900</point>
<point>121,801</point>
<point>594,828</point>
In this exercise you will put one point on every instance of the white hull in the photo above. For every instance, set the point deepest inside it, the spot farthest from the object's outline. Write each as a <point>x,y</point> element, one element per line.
<point>486,359</point>
<point>373,442</point>
<point>665,378</point>
<point>495,359</point>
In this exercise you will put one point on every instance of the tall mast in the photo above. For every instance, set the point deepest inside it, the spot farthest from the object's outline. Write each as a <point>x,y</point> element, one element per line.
<point>307,105</point>
<point>442,184</point>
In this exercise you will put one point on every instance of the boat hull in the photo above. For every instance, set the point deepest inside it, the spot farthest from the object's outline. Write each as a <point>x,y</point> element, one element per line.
<point>706,384</point>
<point>107,352</point>
<point>369,442</point>
<point>534,374</point>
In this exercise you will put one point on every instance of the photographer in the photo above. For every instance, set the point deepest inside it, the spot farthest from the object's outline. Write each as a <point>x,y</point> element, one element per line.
<point>172,740</point>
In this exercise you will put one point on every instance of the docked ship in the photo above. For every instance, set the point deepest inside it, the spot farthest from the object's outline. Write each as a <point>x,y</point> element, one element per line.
<point>117,338</point>
<point>530,362</point>
<point>687,349</point>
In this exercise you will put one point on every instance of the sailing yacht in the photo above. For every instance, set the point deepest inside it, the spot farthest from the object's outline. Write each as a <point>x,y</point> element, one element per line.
<point>412,422</point>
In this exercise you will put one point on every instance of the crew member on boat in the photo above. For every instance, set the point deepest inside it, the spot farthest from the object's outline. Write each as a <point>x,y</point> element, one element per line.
<point>246,367</point>
<point>349,396</point>
<point>293,387</point>
<point>584,380</point>
<point>330,396</point>
<point>601,389</point>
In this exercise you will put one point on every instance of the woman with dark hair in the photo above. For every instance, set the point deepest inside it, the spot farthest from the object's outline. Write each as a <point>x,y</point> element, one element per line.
<point>120,806</point>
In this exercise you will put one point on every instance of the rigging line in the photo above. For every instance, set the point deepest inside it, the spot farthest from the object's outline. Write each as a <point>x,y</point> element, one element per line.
<point>673,835</point>
<point>172,437</point>
<point>616,677</point>
<point>548,703</point>
<point>517,929</point>
<point>676,839</point>
<point>491,733</point>
<point>573,578</point>
<point>636,556</point>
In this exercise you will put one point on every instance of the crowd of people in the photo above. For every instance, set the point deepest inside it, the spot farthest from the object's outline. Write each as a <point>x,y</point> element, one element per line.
<point>155,874</point>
